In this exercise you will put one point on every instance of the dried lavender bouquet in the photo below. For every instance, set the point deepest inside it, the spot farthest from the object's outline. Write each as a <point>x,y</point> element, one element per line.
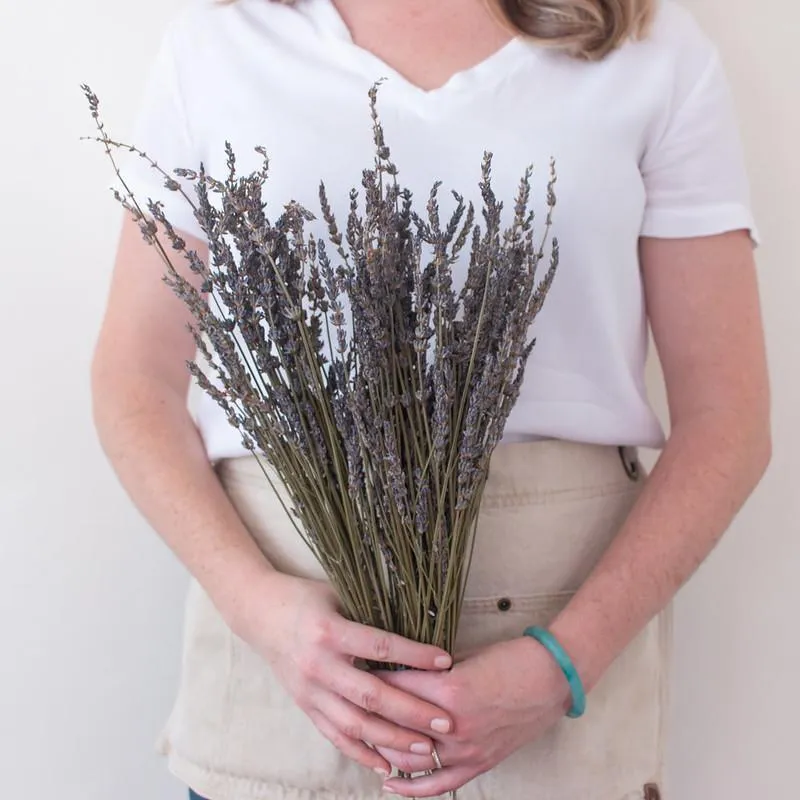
<point>374,388</point>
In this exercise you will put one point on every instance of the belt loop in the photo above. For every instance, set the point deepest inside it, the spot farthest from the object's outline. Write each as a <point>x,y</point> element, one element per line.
<point>630,461</point>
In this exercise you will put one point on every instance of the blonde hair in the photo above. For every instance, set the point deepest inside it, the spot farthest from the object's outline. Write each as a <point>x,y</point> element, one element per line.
<point>586,29</point>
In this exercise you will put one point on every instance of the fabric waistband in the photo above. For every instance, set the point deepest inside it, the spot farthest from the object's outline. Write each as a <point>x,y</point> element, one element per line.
<point>534,469</point>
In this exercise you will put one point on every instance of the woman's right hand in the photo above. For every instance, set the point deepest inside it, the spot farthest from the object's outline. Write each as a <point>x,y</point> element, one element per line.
<point>295,625</point>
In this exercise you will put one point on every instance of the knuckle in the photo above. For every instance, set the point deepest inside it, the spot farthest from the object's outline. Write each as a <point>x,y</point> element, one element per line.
<point>382,647</point>
<point>352,729</point>
<point>321,633</point>
<point>302,698</point>
<point>309,666</point>
<point>316,718</point>
<point>473,755</point>
<point>371,699</point>
<point>453,693</point>
<point>335,736</point>
<point>463,734</point>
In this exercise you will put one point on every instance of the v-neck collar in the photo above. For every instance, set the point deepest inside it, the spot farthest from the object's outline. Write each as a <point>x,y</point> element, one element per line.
<point>485,74</point>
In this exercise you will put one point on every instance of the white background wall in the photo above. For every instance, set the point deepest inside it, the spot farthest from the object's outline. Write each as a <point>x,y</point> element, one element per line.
<point>90,602</point>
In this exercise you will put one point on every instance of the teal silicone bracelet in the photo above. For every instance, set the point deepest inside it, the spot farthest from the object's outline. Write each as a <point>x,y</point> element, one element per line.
<point>551,644</point>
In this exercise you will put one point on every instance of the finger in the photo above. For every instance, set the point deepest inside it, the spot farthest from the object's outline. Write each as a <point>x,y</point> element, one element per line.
<point>355,750</point>
<point>373,644</point>
<point>428,687</point>
<point>425,685</point>
<point>440,781</point>
<point>407,762</point>
<point>373,695</point>
<point>355,723</point>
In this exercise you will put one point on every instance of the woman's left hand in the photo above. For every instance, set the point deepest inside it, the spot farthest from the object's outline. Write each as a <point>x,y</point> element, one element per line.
<point>501,698</point>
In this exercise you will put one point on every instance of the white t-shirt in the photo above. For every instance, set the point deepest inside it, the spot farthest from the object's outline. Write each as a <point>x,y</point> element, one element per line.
<point>645,141</point>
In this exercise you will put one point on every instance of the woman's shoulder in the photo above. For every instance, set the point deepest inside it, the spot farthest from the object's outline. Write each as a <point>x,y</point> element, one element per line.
<point>671,59</point>
<point>677,34</point>
<point>212,24</point>
<point>199,14</point>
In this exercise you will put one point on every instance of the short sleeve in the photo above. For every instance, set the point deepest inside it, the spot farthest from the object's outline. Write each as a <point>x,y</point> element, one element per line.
<point>694,170</point>
<point>162,132</point>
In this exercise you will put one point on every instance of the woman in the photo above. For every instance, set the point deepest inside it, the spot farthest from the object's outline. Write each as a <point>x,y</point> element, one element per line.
<point>629,97</point>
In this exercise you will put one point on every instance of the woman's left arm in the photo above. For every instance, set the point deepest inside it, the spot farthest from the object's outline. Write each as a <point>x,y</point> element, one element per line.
<point>702,300</point>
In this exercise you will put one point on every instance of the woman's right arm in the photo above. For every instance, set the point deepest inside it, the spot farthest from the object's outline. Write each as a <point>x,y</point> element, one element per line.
<point>139,388</point>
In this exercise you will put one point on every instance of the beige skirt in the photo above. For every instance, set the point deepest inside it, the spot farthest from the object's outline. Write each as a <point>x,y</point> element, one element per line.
<point>549,511</point>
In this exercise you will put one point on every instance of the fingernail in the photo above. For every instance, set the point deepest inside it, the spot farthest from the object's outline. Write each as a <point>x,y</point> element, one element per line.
<point>440,725</point>
<point>421,748</point>
<point>382,772</point>
<point>442,662</point>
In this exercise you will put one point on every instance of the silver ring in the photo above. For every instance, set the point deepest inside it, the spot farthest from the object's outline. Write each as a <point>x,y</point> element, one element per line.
<point>436,759</point>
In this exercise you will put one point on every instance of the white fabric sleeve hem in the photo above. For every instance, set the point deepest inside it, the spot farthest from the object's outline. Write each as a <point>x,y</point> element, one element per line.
<point>177,210</point>
<point>687,223</point>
